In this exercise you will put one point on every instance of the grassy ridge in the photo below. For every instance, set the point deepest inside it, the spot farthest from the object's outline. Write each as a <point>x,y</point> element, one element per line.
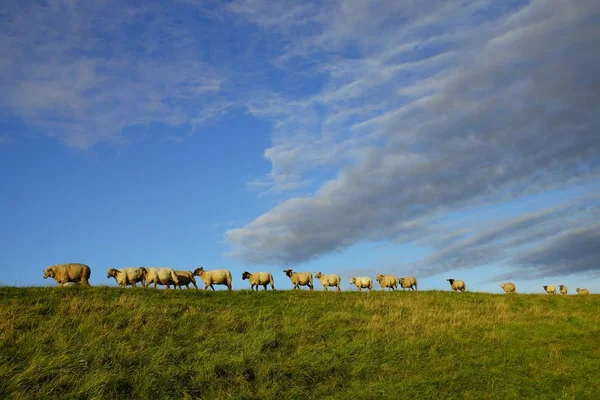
<point>136,343</point>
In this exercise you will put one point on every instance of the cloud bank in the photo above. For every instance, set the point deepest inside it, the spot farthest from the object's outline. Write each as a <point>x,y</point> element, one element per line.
<point>430,110</point>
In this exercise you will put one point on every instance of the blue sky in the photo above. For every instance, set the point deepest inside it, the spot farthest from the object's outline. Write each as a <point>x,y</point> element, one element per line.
<point>440,139</point>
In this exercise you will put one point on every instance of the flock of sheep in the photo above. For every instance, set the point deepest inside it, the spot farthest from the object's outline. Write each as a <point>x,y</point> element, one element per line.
<point>80,273</point>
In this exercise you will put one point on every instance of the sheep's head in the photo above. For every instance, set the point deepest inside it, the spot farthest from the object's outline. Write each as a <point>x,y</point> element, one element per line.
<point>502,285</point>
<point>379,278</point>
<point>141,271</point>
<point>111,272</point>
<point>318,275</point>
<point>49,273</point>
<point>352,281</point>
<point>288,272</point>
<point>561,287</point>
<point>545,287</point>
<point>451,281</point>
<point>199,271</point>
<point>246,275</point>
<point>577,289</point>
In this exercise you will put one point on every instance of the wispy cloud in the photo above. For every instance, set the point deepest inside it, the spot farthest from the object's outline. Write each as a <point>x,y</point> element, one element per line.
<point>85,71</point>
<point>458,106</point>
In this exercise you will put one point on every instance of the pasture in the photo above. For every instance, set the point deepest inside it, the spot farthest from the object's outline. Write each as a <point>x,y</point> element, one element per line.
<point>110,343</point>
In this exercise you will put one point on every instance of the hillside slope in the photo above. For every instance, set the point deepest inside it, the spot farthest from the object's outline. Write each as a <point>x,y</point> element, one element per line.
<point>143,343</point>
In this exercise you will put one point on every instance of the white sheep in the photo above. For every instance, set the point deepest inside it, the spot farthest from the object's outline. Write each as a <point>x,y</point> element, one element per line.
<point>65,273</point>
<point>508,287</point>
<point>563,289</point>
<point>362,282</point>
<point>582,291</point>
<point>159,276</point>
<point>259,279</point>
<point>185,278</point>
<point>387,281</point>
<point>550,289</point>
<point>327,280</point>
<point>300,278</point>
<point>125,276</point>
<point>214,277</point>
<point>457,285</point>
<point>408,282</point>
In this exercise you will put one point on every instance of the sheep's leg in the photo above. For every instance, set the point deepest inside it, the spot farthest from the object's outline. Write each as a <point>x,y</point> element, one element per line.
<point>196,286</point>
<point>264,286</point>
<point>212,287</point>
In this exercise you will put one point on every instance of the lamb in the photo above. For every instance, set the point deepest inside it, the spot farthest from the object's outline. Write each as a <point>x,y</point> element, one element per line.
<point>362,282</point>
<point>214,277</point>
<point>550,289</point>
<point>159,276</point>
<point>563,289</point>
<point>329,280</point>
<point>409,282</point>
<point>300,278</point>
<point>508,287</point>
<point>64,273</point>
<point>457,285</point>
<point>259,279</point>
<point>185,278</point>
<point>125,276</point>
<point>387,281</point>
<point>582,291</point>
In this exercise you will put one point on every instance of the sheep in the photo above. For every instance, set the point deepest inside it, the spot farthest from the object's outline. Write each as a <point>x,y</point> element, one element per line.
<point>158,276</point>
<point>259,279</point>
<point>300,278</point>
<point>125,276</point>
<point>408,282</point>
<point>74,272</point>
<point>185,278</point>
<point>508,287</point>
<point>362,282</point>
<point>457,285</point>
<point>550,289</point>
<point>582,291</point>
<point>214,277</point>
<point>329,280</point>
<point>387,281</point>
<point>563,289</point>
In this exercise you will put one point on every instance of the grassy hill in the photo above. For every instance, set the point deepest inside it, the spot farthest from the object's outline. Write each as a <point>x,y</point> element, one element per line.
<point>112,343</point>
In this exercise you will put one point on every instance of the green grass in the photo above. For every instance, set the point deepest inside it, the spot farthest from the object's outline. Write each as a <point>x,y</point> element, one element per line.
<point>84,343</point>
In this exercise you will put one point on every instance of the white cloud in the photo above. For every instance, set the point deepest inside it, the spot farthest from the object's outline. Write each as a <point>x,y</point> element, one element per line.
<point>447,112</point>
<point>85,71</point>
